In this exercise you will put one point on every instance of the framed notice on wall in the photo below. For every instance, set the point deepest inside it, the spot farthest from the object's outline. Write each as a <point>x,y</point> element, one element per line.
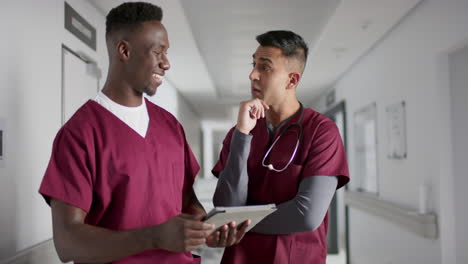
<point>396,130</point>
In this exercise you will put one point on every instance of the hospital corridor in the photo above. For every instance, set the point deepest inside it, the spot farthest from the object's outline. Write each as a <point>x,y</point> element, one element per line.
<point>390,75</point>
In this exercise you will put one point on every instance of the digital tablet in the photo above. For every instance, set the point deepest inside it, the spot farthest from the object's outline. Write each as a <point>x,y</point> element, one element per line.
<point>220,216</point>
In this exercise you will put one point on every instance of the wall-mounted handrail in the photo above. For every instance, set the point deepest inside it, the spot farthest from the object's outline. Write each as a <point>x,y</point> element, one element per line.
<point>42,253</point>
<point>424,225</point>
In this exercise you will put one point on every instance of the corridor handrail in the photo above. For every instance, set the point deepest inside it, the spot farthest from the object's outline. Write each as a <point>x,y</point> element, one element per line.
<point>424,225</point>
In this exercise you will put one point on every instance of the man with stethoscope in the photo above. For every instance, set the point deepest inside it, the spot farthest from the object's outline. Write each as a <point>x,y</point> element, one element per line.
<point>280,152</point>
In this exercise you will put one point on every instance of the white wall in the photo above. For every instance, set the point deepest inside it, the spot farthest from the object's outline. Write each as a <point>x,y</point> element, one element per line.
<point>191,122</point>
<point>210,142</point>
<point>167,97</point>
<point>410,64</point>
<point>30,78</point>
<point>459,110</point>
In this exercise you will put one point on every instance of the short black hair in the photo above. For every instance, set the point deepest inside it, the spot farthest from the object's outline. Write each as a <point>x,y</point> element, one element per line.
<point>290,43</point>
<point>130,15</point>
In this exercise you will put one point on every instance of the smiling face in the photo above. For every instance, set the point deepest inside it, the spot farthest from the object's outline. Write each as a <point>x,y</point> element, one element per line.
<point>147,59</point>
<point>270,75</point>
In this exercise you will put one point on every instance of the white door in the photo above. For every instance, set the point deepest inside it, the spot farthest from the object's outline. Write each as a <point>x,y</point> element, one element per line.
<point>80,82</point>
<point>459,110</point>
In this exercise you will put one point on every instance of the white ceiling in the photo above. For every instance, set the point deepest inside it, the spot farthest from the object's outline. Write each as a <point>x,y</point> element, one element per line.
<point>225,33</point>
<point>212,42</point>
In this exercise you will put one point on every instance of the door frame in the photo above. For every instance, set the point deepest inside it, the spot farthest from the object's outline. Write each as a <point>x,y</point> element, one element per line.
<point>85,60</point>
<point>337,108</point>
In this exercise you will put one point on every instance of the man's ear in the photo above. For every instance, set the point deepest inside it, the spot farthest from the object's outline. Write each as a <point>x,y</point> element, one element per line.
<point>123,50</point>
<point>294,78</point>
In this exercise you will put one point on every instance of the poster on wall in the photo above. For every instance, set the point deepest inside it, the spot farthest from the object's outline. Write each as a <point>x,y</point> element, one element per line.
<point>396,131</point>
<point>365,149</point>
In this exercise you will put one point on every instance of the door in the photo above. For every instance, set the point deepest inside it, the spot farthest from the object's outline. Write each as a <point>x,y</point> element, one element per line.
<point>338,218</point>
<point>459,108</point>
<point>80,81</point>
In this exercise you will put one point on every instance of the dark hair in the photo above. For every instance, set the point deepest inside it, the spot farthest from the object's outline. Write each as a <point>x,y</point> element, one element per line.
<point>131,15</point>
<point>291,44</point>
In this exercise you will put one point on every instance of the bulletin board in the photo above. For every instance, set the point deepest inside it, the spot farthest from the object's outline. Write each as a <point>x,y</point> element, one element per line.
<point>396,130</point>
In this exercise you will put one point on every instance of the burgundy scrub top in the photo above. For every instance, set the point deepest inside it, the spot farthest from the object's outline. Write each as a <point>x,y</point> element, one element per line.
<point>320,152</point>
<point>122,180</point>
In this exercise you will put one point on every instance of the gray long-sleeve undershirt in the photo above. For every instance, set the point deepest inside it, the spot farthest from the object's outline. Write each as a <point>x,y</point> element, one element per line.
<point>305,212</point>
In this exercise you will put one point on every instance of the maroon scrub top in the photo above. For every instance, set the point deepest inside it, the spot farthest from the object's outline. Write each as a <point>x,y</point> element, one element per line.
<point>320,152</point>
<point>122,180</point>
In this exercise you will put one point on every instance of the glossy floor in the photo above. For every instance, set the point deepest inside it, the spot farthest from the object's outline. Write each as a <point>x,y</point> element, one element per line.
<point>213,256</point>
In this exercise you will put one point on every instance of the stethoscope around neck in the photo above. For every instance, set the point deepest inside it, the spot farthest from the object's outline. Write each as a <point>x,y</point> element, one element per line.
<point>298,124</point>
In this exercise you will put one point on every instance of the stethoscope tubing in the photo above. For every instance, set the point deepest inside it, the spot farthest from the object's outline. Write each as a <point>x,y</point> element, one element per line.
<point>298,123</point>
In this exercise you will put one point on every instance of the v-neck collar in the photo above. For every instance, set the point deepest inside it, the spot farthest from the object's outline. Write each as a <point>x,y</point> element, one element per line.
<point>273,133</point>
<point>118,120</point>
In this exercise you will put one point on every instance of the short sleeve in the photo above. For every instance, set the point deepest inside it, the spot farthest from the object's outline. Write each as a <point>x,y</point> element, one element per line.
<point>68,176</point>
<point>327,154</point>
<point>223,155</point>
<point>191,166</point>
